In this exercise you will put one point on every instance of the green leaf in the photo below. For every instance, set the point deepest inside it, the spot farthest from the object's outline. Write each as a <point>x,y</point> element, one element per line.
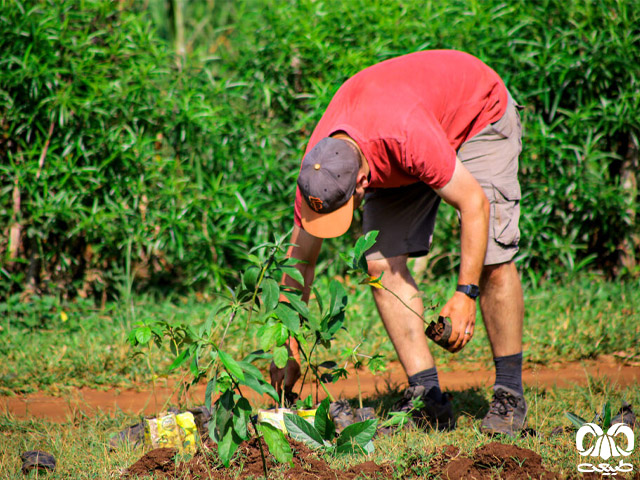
<point>180,359</point>
<point>257,355</point>
<point>369,448</point>
<point>350,449</point>
<point>241,412</point>
<point>231,365</point>
<point>250,369</point>
<point>270,294</point>
<point>273,333</point>
<point>298,305</point>
<point>250,277</point>
<point>267,334</point>
<point>575,419</point>
<point>294,273</point>
<point>363,244</point>
<point>301,430</point>
<point>229,443</point>
<point>338,297</point>
<point>306,404</point>
<point>290,318</point>
<point>323,423</point>
<point>318,298</point>
<point>221,416</point>
<point>606,415</point>
<point>277,443</point>
<point>195,370</point>
<point>377,363</point>
<point>359,433</point>
<point>282,334</point>
<point>143,335</point>
<point>281,356</point>
<point>259,385</point>
<point>211,388</point>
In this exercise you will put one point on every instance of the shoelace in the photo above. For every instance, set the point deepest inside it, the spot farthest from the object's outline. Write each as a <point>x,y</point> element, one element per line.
<point>503,403</point>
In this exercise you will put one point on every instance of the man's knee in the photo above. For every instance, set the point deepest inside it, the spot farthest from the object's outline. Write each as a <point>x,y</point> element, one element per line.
<point>377,267</point>
<point>388,266</point>
<point>498,272</point>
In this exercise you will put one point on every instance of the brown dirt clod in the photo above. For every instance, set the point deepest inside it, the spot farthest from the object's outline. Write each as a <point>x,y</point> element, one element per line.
<point>510,461</point>
<point>306,465</point>
<point>493,460</point>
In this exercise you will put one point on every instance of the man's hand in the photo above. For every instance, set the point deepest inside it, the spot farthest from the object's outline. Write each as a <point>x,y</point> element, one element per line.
<point>288,376</point>
<point>461,310</point>
<point>285,377</point>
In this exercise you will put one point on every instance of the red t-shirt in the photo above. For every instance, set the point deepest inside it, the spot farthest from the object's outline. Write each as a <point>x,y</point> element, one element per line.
<point>410,114</point>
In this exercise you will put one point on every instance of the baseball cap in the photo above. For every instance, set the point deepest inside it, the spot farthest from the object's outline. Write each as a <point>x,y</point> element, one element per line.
<point>327,181</point>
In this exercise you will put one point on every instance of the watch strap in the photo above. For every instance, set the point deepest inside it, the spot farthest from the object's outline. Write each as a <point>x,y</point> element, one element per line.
<point>471,290</point>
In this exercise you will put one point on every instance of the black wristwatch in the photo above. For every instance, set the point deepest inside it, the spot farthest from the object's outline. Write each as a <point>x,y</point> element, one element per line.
<point>471,291</point>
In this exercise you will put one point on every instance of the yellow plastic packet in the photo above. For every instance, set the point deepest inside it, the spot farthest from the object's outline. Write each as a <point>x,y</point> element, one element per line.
<point>188,431</point>
<point>308,415</point>
<point>274,417</point>
<point>171,431</point>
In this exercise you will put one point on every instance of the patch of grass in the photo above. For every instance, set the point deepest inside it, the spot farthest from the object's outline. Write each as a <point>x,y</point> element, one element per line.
<point>80,444</point>
<point>582,318</point>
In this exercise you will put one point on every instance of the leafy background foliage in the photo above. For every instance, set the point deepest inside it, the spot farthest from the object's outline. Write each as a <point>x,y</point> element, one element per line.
<point>150,146</point>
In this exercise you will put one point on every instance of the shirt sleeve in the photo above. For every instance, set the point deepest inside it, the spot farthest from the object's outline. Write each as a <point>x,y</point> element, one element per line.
<point>428,155</point>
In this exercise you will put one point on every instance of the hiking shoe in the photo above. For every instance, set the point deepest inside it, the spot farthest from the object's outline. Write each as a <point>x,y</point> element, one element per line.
<point>133,435</point>
<point>425,410</point>
<point>365,413</point>
<point>625,415</point>
<point>39,460</point>
<point>342,414</point>
<point>507,413</point>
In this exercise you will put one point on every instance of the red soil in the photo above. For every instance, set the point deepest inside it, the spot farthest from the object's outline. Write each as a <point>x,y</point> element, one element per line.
<point>89,401</point>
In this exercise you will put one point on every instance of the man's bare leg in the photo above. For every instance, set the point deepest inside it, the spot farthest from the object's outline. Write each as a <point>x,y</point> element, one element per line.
<point>406,331</point>
<point>405,328</point>
<point>502,306</point>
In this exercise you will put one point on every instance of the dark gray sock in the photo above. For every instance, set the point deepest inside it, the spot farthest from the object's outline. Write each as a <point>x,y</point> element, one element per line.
<point>509,372</point>
<point>429,380</point>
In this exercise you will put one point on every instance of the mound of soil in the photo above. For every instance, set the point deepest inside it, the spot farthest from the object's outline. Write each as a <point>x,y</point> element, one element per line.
<point>509,462</point>
<point>248,464</point>
<point>490,461</point>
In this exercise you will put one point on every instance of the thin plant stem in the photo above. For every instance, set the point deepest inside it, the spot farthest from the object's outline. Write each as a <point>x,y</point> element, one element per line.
<point>236,385</point>
<point>359,388</point>
<point>404,303</point>
<point>263,271</point>
<point>315,372</point>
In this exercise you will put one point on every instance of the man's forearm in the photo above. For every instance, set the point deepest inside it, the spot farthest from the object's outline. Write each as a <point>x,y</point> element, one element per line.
<point>305,248</point>
<point>474,225</point>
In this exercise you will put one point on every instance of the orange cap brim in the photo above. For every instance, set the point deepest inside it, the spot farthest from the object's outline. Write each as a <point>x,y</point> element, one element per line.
<point>327,225</point>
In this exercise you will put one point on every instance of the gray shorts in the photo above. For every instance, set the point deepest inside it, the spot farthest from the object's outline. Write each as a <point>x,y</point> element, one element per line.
<point>405,216</point>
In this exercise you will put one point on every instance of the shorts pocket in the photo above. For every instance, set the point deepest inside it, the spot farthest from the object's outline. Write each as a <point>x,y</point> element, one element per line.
<point>505,211</point>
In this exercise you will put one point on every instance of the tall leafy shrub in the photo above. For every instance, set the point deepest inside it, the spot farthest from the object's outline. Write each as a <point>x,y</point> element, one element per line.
<point>117,155</point>
<point>117,152</point>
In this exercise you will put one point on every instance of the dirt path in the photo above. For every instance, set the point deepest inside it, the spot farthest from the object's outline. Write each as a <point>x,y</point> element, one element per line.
<point>89,401</point>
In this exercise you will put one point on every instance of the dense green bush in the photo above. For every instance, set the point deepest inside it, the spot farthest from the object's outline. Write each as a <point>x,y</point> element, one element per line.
<point>118,160</point>
<point>123,160</point>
